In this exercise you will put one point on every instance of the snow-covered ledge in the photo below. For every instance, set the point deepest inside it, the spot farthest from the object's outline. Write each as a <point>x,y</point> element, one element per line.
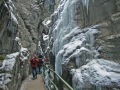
<point>98,72</point>
<point>9,61</point>
<point>15,68</point>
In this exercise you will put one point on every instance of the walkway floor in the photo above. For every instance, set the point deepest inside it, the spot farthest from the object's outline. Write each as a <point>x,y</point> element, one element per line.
<point>30,84</point>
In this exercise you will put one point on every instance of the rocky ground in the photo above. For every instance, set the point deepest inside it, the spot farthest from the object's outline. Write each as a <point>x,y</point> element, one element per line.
<point>29,84</point>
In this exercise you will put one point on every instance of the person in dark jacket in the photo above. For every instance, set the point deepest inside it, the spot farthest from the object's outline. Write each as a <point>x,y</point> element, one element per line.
<point>34,63</point>
<point>40,57</point>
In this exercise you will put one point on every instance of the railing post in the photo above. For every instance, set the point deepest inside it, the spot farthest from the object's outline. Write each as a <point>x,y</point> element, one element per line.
<point>43,70</point>
<point>54,79</point>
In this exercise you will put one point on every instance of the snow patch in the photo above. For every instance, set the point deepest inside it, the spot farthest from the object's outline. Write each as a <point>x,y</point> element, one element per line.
<point>9,61</point>
<point>13,18</point>
<point>24,54</point>
<point>98,72</point>
<point>7,66</point>
<point>45,37</point>
<point>17,39</point>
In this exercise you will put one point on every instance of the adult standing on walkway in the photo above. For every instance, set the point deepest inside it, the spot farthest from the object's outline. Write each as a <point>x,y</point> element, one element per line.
<point>34,63</point>
<point>40,57</point>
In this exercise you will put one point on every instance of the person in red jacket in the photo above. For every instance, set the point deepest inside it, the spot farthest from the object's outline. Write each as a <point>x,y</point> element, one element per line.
<point>34,63</point>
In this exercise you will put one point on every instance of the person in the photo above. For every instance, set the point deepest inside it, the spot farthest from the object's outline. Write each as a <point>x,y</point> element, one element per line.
<point>40,57</point>
<point>45,59</point>
<point>34,63</point>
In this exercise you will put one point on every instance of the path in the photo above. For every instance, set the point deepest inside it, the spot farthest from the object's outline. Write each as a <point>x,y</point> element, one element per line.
<point>30,84</point>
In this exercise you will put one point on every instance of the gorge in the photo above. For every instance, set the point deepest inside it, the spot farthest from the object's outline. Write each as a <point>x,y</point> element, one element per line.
<point>80,38</point>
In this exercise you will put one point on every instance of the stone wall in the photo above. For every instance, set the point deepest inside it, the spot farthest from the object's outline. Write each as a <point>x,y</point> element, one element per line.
<point>20,71</point>
<point>22,19</point>
<point>106,13</point>
<point>13,71</point>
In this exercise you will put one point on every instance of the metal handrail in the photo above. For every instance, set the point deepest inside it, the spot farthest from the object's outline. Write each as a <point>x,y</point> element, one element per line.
<point>54,83</point>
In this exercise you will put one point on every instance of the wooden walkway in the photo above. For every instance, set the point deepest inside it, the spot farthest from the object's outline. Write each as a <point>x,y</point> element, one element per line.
<point>30,84</point>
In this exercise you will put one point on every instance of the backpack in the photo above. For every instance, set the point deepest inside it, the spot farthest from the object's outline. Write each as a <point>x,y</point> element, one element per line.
<point>33,62</point>
<point>40,61</point>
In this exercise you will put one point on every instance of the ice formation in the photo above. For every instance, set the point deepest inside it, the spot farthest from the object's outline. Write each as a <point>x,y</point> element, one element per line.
<point>76,45</point>
<point>7,66</point>
<point>98,72</point>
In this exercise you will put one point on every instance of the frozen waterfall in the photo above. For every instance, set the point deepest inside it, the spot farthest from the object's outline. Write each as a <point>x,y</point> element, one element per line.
<point>73,47</point>
<point>69,40</point>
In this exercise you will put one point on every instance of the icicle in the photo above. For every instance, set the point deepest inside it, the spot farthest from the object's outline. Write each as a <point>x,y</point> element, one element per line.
<point>69,41</point>
<point>86,4</point>
<point>13,18</point>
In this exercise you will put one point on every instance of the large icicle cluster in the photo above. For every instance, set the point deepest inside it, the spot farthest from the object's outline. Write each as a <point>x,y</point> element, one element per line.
<point>63,26</point>
<point>9,4</point>
<point>74,48</point>
<point>69,40</point>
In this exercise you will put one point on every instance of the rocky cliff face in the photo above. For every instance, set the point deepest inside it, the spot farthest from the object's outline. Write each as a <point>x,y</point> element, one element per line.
<point>84,30</point>
<point>21,26</point>
<point>106,13</point>
<point>72,24</point>
<point>23,19</point>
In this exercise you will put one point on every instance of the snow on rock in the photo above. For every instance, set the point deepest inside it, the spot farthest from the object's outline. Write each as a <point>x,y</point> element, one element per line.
<point>74,47</point>
<point>34,7</point>
<point>24,54</point>
<point>9,61</point>
<point>70,42</point>
<point>98,72</point>
<point>6,5</point>
<point>13,18</point>
<point>13,55</point>
<point>38,43</point>
<point>11,4</point>
<point>45,37</point>
<point>23,51</point>
<point>79,48</point>
<point>11,8</point>
<point>46,22</point>
<point>7,66</point>
<point>17,39</point>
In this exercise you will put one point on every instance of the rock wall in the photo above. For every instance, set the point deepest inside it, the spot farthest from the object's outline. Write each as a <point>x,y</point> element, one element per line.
<point>88,13</point>
<point>22,19</point>
<point>20,71</point>
<point>107,14</point>
<point>13,71</point>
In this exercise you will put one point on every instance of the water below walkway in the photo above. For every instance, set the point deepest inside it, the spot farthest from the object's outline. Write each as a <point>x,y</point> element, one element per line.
<point>29,84</point>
